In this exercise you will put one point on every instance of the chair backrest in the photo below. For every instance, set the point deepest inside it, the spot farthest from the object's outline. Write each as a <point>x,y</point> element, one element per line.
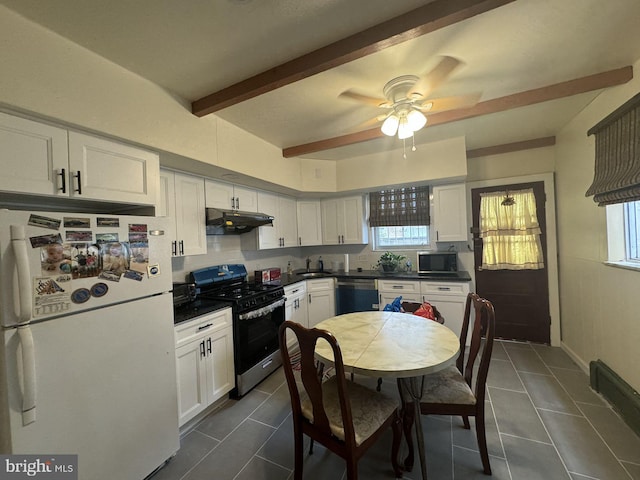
<point>484,322</point>
<point>311,378</point>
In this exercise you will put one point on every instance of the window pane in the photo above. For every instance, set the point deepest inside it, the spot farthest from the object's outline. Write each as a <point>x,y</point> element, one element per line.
<point>632,230</point>
<point>401,236</point>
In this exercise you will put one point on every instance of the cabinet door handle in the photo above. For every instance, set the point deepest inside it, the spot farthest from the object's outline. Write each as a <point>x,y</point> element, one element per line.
<point>233,203</point>
<point>203,327</point>
<point>209,344</point>
<point>79,180</point>
<point>300,241</point>
<point>437,235</point>
<point>237,203</point>
<point>446,289</point>
<point>63,180</point>
<point>398,286</point>
<point>342,238</point>
<point>202,351</point>
<point>181,247</point>
<point>309,298</point>
<point>174,248</point>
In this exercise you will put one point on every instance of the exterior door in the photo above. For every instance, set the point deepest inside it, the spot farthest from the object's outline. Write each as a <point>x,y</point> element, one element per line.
<point>520,297</point>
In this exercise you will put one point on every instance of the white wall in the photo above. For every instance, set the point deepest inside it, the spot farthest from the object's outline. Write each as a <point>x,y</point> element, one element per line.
<point>599,314</point>
<point>442,161</point>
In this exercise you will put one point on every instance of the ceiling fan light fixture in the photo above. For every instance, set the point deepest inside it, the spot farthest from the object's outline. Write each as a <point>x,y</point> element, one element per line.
<point>390,125</point>
<point>404,129</point>
<point>416,120</point>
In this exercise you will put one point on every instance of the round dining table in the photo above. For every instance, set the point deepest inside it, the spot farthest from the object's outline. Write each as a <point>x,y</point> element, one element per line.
<point>392,345</point>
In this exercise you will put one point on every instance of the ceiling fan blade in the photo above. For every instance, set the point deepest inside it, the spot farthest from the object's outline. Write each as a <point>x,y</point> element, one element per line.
<point>430,81</point>
<point>372,121</point>
<point>450,103</point>
<point>376,102</point>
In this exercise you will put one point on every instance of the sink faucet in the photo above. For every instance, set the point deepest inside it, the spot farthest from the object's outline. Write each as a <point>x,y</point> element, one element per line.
<point>308,264</point>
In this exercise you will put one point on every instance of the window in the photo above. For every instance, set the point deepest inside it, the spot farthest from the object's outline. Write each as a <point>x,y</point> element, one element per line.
<point>623,234</point>
<point>400,217</point>
<point>632,231</point>
<point>389,237</point>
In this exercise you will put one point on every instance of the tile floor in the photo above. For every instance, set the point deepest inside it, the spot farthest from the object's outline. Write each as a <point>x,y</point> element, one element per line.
<point>544,422</point>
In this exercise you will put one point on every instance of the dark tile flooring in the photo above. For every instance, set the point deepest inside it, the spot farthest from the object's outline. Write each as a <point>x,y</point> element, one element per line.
<point>543,422</point>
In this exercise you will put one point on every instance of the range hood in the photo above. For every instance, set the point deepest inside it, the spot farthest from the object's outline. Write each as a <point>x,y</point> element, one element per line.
<point>225,222</point>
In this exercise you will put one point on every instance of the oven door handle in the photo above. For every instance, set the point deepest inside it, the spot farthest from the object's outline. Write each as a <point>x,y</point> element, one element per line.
<point>259,312</point>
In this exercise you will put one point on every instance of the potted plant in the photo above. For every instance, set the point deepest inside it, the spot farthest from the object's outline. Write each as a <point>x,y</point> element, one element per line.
<point>389,261</point>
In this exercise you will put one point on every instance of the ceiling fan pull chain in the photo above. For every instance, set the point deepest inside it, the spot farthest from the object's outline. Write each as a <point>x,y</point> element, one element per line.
<point>413,140</point>
<point>404,148</point>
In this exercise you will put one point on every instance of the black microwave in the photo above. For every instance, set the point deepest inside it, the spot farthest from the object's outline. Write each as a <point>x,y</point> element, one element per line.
<point>434,262</point>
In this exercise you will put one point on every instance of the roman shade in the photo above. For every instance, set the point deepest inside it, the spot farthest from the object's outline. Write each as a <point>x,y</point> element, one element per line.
<point>617,164</point>
<point>399,207</point>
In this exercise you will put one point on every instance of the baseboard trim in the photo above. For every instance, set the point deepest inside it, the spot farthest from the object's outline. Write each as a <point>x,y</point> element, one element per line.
<point>624,399</point>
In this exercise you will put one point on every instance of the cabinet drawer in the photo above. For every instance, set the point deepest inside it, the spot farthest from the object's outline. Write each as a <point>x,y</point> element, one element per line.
<point>445,288</point>
<point>207,324</point>
<point>321,284</point>
<point>401,287</point>
<point>295,290</point>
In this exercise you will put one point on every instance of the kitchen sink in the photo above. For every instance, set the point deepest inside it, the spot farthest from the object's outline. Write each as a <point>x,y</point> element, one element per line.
<point>312,274</point>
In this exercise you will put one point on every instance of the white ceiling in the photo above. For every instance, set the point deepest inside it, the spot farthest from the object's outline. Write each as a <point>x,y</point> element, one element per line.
<point>195,47</point>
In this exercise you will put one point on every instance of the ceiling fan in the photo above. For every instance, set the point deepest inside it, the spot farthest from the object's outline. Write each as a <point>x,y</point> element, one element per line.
<point>407,100</point>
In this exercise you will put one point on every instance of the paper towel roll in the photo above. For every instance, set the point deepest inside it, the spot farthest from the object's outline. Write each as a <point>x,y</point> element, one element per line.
<point>346,262</point>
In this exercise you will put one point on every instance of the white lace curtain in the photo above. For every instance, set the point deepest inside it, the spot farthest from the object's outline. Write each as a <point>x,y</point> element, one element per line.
<point>510,231</point>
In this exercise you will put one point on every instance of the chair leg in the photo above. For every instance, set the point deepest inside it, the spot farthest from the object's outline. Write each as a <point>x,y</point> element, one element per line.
<point>465,421</point>
<point>396,427</point>
<point>297,455</point>
<point>481,435</point>
<point>311,447</point>
<point>379,384</point>
<point>352,468</point>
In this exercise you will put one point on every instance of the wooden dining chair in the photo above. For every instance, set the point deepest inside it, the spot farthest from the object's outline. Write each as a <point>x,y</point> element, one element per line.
<point>452,391</point>
<point>345,417</point>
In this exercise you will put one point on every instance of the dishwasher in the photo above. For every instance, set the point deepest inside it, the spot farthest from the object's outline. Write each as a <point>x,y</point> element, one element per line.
<point>356,295</point>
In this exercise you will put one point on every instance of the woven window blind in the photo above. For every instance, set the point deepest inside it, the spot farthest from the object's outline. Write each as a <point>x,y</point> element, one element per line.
<point>399,207</point>
<point>617,166</point>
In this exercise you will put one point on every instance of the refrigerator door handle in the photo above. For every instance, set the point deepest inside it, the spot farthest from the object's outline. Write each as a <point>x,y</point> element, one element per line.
<point>21,255</point>
<point>28,375</point>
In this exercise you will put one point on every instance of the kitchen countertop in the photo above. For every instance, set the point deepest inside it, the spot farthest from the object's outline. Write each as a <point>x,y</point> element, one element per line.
<point>461,276</point>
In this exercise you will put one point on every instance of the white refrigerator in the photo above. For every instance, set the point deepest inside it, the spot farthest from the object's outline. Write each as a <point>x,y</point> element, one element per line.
<point>87,358</point>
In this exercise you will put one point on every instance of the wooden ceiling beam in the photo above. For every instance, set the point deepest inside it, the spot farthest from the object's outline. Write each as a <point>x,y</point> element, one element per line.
<point>512,147</point>
<point>428,18</point>
<point>552,92</point>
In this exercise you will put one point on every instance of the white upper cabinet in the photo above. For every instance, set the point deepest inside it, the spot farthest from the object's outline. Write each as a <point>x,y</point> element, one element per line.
<point>106,170</point>
<point>284,232</point>
<point>450,213</point>
<point>226,196</point>
<point>34,157</point>
<point>47,160</point>
<point>343,221</point>
<point>309,222</point>
<point>182,199</point>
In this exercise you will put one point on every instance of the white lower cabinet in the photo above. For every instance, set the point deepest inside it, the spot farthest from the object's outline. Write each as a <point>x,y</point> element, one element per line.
<point>389,290</point>
<point>204,362</point>
<point>295,307</point>
<point>321,296</point>
<point>450,299</point>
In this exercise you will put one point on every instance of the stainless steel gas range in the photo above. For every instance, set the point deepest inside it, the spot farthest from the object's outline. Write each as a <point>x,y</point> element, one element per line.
<point>258,312</point>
